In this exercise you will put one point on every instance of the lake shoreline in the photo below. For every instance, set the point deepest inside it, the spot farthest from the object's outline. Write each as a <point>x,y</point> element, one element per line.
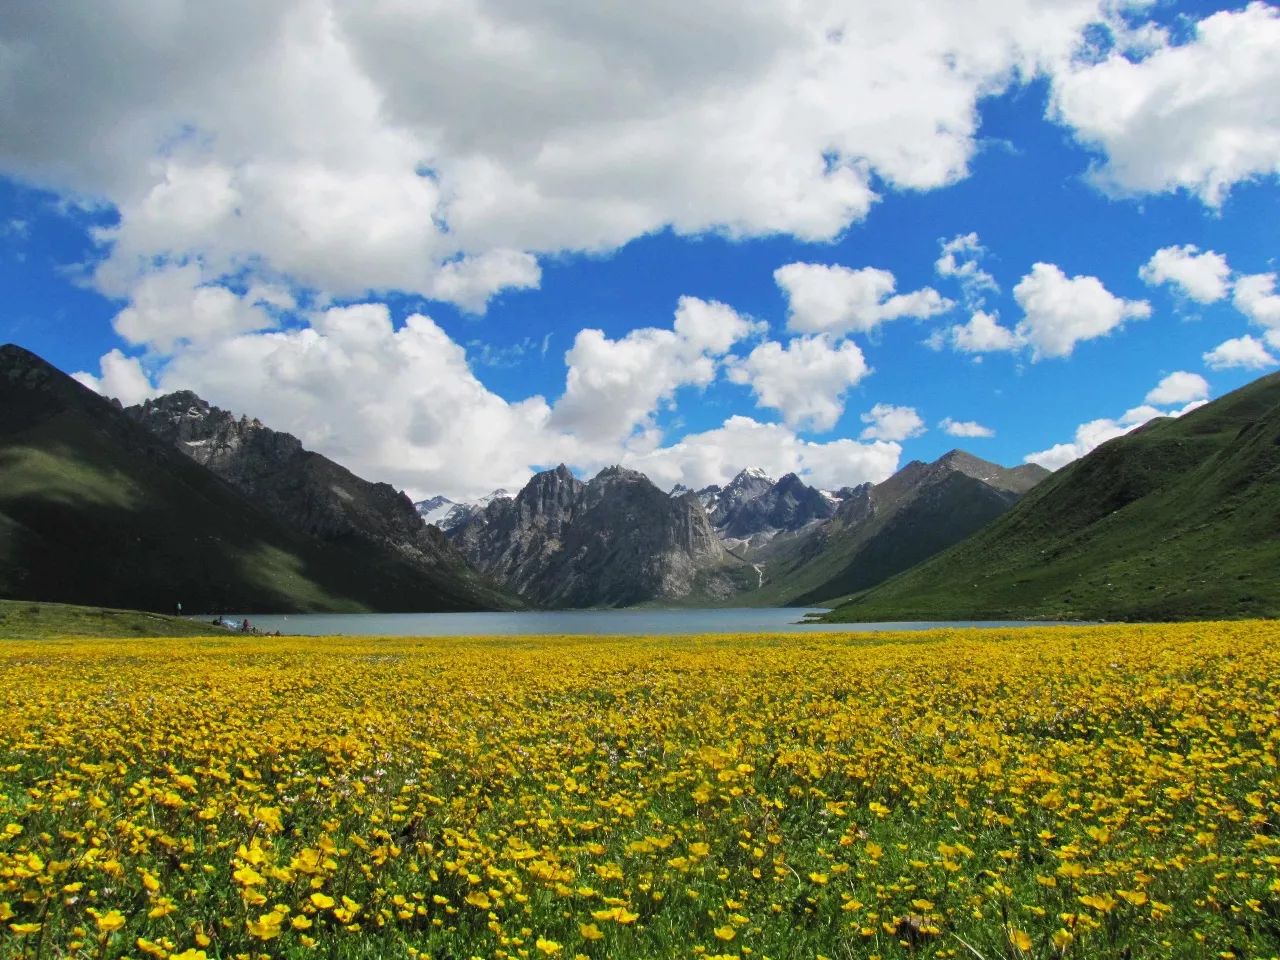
<point>625,622</point>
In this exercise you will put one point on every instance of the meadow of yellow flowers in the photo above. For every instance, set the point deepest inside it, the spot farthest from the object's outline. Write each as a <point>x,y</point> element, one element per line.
<point>1079,792</point>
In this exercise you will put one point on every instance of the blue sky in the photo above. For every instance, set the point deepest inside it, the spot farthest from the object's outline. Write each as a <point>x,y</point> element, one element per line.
<point>265,233</point>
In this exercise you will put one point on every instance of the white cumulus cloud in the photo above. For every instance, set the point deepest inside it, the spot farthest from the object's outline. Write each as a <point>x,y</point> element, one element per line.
<point>964,428</point>
<point>888,422</point>
<point>982,334</point>
<point>1061,311</point>
<point>471,281</point>
<point>960,258</point>
<point>1255,296</point>
<point>120,377</point>
<point>355,147</point>
<point>1199,116</point>
<point>1179,387</point>
<point>836,299</point>
<point>614,386</point>
<point>806,380</point>
<point>174,304</point>
<point>1245,353</point>
<point>1204,277</point>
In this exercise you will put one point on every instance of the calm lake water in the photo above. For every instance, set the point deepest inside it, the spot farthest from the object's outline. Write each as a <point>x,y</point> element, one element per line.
<point>527,623</point>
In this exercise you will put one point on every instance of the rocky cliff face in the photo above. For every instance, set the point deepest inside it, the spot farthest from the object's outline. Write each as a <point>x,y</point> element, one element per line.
<point>613,541</point>
<point>309,491</point>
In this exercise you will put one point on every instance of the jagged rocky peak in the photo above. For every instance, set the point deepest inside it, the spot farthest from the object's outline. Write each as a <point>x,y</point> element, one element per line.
<point>449,515</point>
<point>615,539</point>
<point>556,484</point>
<point>787,504</point>
<point>750,478</point>
<point>435,509</point>
<point>618,472</point>
<point>679,490</point>
<point>745,487</point>
<point>180,403</point>
<point>707,495</point>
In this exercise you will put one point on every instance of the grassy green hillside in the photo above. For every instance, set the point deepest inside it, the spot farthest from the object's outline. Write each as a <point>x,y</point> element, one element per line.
<point>1178,520</point>
<point>24,620</point>
<point>95,510</point>
<point>814,571</point>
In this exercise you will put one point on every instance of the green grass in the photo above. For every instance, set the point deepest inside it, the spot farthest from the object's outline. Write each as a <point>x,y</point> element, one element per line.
<point>28,620</point>
<point>1180,520</point>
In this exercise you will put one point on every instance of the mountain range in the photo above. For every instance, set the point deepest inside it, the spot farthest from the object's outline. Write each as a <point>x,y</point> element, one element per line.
<point>615,540</point>
<point>177,501</point>
<point>1179,519</point>
<point>618,540</point>
<point>95,508</point>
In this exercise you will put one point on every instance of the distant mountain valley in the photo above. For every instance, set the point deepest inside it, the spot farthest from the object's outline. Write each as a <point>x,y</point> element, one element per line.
<point>178,501</point>
<point>618,539</point>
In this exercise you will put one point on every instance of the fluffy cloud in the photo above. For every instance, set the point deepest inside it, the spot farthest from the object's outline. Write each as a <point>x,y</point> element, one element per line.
<point>471,281</point>
<point>314,139</point>
<point>887,422</point>
<point>965,428</point>
<point>1061,311</point>
<point>1096,432</point>
<point>614,386</point>
<point>806,380</point>
<point>836,299</point>
<point>1199,116</point>
<point>400,405</point>
<point>121,377</point>
<point>960,258</point>
<point>716,456</point>
<point>1256,297</point>
<point>403,405</point>
<point>982,334</point>
<point>173,304</point>
<point>1204,277</point>
<point>1246,353</point>
<point>1179,387</point>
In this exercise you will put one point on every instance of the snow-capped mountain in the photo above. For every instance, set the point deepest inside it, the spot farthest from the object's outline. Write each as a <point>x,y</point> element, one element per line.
<point>745,487</point>
<point>435,509</point>
<point>448,514</point>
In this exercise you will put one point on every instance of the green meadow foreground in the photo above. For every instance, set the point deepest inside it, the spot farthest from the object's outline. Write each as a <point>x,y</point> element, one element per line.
<point>1079,792</point>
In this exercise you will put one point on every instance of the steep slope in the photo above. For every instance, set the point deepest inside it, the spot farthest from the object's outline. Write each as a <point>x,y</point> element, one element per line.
<point>615,541</point>
<point>310,492</point>
<point>880,530</point>
<point>95,509</point>
<point>1179,519</point>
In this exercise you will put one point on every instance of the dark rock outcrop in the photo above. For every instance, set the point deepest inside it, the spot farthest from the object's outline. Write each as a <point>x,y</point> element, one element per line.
<point>616,540</point>
<point>307,490</point>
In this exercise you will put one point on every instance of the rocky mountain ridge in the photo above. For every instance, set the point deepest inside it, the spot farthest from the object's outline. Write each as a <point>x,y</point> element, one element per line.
<point>615,540</point>
<point>878,530</point>
<point>311,492</point>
